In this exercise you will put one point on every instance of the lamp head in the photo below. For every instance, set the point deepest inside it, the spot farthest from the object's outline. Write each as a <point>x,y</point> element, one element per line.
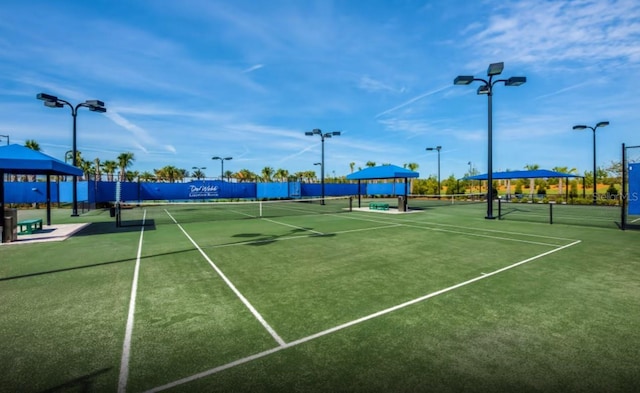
<point>337,133</point>
<point>429,149</point>
<point>94,103</point>
<point>516,81</point>
<point>317,163</point>
<point>495,69</point>
<point>602,124</point>
<point>53,104</point>
<point>484,89</point>
<point>98,109</point>
<point>46,97</point>
<point>308,133</point>
<point>316,131</point>
<point>579,127</point>
<point>216,158</point>
<point>228,158</point>
<point>463,80</point>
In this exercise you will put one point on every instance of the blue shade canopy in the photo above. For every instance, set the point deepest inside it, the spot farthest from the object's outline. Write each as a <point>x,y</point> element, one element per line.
<point>382,172</point>
<point>20,159</point>
<point>537,174</point>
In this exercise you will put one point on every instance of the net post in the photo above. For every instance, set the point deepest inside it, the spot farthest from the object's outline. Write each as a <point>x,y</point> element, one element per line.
<point>351,203</point>
<point>499,208</point>
<point>623,192</point>
<point>550,213</point>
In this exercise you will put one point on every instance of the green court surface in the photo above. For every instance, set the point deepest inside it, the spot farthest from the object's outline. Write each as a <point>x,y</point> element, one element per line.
<point>310,298</point>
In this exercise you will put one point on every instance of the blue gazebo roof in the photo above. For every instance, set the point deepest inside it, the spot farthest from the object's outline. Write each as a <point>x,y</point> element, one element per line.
<point>21,159</point>
<point>537,174</point>
<point>383,172</point>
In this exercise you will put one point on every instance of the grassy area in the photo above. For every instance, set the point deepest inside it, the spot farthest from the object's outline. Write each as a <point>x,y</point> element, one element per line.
<point>351,299</point>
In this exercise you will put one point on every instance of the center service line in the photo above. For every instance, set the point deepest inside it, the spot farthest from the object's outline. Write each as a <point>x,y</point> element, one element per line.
<point>349,324</point>
<point>244,300</point>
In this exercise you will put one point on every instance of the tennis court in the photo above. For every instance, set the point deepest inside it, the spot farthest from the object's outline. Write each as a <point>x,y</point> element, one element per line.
<point>316,297</point>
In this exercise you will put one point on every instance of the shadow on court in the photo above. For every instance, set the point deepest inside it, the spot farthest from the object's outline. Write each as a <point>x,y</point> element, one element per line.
<point>86,383</point>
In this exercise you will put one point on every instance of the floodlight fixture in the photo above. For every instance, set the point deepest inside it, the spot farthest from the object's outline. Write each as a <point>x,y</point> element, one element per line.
<point>487,88</point>
<point>94,103</point>
<point>437,148</point>
<point>584,127</point>
<point>46,97</point>
<point>53,104</point>
<point>463,80</point>
<point>52,101</point>
<point>495,69</point>
<point>317,131</point>
<point>516,81</point>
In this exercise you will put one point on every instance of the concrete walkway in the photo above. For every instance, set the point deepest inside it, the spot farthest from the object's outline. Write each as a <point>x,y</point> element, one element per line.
<point>49,233</point>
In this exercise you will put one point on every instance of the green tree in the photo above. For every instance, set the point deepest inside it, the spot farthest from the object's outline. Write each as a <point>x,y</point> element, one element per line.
<point>532,181</point>
<point>125,160</point>
<point>351,166</point>
<point>33,145</point>
<point>110,167</point>
<point>267,174</point>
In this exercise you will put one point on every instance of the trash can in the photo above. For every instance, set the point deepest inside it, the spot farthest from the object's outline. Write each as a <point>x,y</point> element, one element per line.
<point>10,226</point>
<point>402,204</point>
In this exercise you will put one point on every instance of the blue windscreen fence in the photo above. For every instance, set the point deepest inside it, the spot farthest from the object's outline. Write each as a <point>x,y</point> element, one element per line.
<point>634,189</point>
<point>105,191</point>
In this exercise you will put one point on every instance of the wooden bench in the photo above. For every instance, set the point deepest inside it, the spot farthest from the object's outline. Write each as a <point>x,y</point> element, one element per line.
<point>26,227</point>
<point>378,206</point>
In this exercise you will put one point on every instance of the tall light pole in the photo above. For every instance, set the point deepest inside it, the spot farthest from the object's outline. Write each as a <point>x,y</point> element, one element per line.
<point>93,106</point>
<point>487,88</point>
<point>222,159</point>
<point>438,148</point>
<point>317,131</point>
<point>5,136</point>
<point>583,127</point>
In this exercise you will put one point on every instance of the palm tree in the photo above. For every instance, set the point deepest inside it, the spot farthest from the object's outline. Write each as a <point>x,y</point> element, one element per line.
<point>267,173</point>
<point>198,174</point>
<point>124,161</point>
<point>370,164</point>
<point>351,166</point>
<point>87,168</point>
<point>245,175</point>
<point>228,174</point>
<point>412,167</point>
<point>146,176</point>
<point>33,145</point>
<point>532,181</point>
<point>282,174</point>
<point>110,167</point>
<point>97,166</point>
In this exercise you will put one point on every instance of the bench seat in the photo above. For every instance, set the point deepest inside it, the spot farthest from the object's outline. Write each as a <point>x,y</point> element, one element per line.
<point>26,227</point>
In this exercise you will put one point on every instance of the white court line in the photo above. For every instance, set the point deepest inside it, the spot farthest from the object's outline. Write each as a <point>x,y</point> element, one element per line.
<point>468,233</point>
<point>126,346</point>
<point>235,290</point>
<point>349,324</point>
<point>293,226</point>
<point>468,228</point>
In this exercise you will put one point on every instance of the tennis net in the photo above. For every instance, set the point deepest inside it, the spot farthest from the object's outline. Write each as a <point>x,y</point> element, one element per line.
<point>151,213</point>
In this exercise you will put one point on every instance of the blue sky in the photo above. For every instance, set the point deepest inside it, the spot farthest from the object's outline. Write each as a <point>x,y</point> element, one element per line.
<point>187,80</point>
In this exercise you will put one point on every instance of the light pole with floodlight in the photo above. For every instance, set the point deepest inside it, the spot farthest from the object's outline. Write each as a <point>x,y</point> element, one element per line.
<point>222,160</point>
<point>438,148</point>
<point>487,88</point>
<point>5,136</point>
<point>583,127</point>
<point>94,106</point>
<point>317,131</point>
